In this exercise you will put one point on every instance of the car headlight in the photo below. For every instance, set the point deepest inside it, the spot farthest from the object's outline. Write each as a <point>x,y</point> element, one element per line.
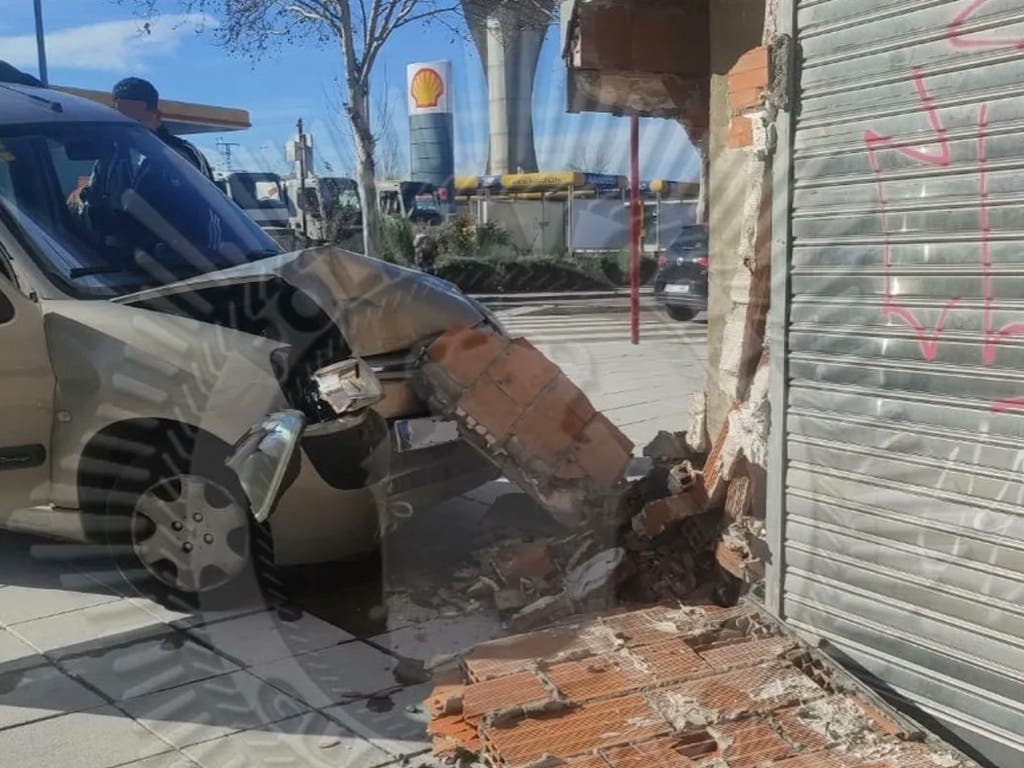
<point>348,386</point>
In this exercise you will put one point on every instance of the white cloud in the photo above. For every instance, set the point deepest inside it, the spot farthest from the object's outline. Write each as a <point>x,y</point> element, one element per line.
<point>110,46</point>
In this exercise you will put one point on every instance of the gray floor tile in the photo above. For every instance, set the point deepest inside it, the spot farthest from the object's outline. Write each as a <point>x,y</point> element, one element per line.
<point>78,631</point>
<point>147,665</point>
<point>397,724</point>
<point>438,639</point>
<point>166,760</point>
<point>334,675</point>
<point>263,637</point>
<point>98,738</point>
<point>211,709</point>
<point>22,603</point>
<point>15,653</point>
<point>307,741</point>
<point>39,692</point>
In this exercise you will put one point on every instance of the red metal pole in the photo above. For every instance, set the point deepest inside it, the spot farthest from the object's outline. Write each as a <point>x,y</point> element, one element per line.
<point>634,230</point>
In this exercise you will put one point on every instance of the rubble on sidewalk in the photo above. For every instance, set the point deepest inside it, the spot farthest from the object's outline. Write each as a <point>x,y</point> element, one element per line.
<point>701,687</point>
<point>659,538</point>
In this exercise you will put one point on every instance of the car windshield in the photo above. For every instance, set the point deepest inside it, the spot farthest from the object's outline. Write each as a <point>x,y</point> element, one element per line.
<point>695,239</point>
<point>108,208</point>
<point>257,190</point>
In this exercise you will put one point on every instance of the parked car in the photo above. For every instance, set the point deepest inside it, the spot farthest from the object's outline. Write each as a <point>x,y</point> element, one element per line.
<point>173,384</point>
<point>681,283</point>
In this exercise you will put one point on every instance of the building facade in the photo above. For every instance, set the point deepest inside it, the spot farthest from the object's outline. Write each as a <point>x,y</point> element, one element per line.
<point>864,183</point>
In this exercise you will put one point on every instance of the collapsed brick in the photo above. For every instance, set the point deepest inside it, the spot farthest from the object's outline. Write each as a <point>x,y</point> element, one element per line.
<point>697,687</point>
<point>523,560</point>
<point>658,515</point>
<point>526,416</point>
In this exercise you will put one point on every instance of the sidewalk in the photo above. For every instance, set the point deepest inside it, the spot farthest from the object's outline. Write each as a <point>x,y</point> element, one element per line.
<point>569,302</point>
<point>94,676</point>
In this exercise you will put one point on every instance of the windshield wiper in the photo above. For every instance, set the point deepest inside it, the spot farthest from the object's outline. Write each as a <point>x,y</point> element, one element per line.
<point>102,269</point>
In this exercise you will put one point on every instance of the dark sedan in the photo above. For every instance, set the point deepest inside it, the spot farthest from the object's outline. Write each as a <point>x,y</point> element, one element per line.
<point>681,283</point>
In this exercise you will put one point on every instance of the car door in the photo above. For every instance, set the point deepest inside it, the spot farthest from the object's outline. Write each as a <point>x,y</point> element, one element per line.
<point>26,401</point>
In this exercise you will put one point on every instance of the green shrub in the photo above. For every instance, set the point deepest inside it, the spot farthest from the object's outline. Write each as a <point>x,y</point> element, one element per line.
<point>397,240</point>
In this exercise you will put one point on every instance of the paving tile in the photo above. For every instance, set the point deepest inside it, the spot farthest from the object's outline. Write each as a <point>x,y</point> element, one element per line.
<point>98,738</point>
<point>184,616</point>
<point>78,631</point>
<point>39,692</point>
<point>211,709</point>
<point>264,637</point>
<point>334,675</point>
<point>310,741</point>
<point>147,665</point>
<point>397,724</point>
<point>166,760</point>
<point>24,603</point>
<point>15,653</point>
<point>439,639</point>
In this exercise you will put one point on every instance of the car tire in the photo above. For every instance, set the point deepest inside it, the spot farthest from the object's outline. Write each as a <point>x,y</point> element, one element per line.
<point>682,314</point>
<point>181,514</point>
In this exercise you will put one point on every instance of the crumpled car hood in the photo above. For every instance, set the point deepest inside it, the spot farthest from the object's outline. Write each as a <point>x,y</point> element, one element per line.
<point>379,307</point>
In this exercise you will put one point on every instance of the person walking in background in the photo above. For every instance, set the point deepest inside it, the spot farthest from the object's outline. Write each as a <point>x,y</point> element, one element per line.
<point>425,252</point>
<point>138,99</point>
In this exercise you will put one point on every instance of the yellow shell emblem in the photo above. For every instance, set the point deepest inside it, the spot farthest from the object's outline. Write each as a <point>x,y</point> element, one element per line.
<point>427,88</point>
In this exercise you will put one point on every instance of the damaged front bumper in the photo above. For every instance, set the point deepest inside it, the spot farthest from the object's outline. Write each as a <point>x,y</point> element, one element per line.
<point>263,456</point>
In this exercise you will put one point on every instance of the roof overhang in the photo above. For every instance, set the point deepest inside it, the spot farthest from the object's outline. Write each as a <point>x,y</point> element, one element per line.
<point>636,57</point>
<point>182,118</point>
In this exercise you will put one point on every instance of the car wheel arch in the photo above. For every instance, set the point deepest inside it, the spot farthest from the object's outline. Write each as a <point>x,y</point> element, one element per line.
<point>111,451</point>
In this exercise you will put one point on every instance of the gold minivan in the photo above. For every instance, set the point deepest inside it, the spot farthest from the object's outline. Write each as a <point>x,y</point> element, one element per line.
<point>173,385</point>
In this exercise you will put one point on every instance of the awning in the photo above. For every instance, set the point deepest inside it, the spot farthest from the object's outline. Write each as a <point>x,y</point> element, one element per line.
<point>181,117</point>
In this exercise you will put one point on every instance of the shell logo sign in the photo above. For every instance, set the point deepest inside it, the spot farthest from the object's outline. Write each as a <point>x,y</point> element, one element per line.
<point>428,88</point>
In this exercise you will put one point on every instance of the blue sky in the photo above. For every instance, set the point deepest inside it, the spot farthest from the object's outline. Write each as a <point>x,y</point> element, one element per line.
<point>93,43</point>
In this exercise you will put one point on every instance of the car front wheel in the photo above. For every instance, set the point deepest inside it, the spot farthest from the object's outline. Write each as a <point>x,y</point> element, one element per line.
<point>191,533</point>
<point>681,313</point>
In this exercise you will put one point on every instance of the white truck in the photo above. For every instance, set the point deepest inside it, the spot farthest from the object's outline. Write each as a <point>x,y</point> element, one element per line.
<point>327,208</point>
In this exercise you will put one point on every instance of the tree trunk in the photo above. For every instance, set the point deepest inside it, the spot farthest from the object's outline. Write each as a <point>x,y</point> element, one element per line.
<point>359,116</point>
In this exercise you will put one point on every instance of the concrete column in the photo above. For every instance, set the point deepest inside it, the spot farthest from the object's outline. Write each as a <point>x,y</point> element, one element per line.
<point>509,40</point>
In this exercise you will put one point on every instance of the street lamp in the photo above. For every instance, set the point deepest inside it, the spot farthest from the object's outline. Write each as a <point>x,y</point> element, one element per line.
<point>41,43</point>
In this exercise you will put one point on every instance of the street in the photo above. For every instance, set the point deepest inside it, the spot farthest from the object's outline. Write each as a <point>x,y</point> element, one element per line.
<point>96,673</point>
<point>641,388</point>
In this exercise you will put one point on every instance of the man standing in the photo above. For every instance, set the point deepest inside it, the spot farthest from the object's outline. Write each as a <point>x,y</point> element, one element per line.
<point>138,99</point>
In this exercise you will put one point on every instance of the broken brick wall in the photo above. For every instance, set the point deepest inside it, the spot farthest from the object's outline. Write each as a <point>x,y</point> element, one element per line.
<point>736,190</point>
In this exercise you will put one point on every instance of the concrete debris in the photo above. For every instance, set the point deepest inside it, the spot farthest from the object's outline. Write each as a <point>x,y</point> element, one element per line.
<point>669,448</point>
<point>749,425</point>
<point>697,429</point>
<point>683,712</point>
<point>596,577</point>
<point>683,478</point>
<point>542,612</point>
<point>509,600</point>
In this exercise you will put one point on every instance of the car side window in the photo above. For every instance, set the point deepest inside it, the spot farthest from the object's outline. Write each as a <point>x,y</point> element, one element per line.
<point>6,307</point>
<point>6,191</point>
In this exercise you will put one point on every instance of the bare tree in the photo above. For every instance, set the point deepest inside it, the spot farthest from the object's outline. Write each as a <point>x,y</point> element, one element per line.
<point>590,158</point>
<point>360,29</point>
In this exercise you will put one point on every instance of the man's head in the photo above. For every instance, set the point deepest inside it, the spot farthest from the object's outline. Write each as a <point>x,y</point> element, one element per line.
<point>138,99</point>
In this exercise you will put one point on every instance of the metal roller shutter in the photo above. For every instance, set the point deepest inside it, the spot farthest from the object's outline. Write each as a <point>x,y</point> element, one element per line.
<point>904,525</point>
